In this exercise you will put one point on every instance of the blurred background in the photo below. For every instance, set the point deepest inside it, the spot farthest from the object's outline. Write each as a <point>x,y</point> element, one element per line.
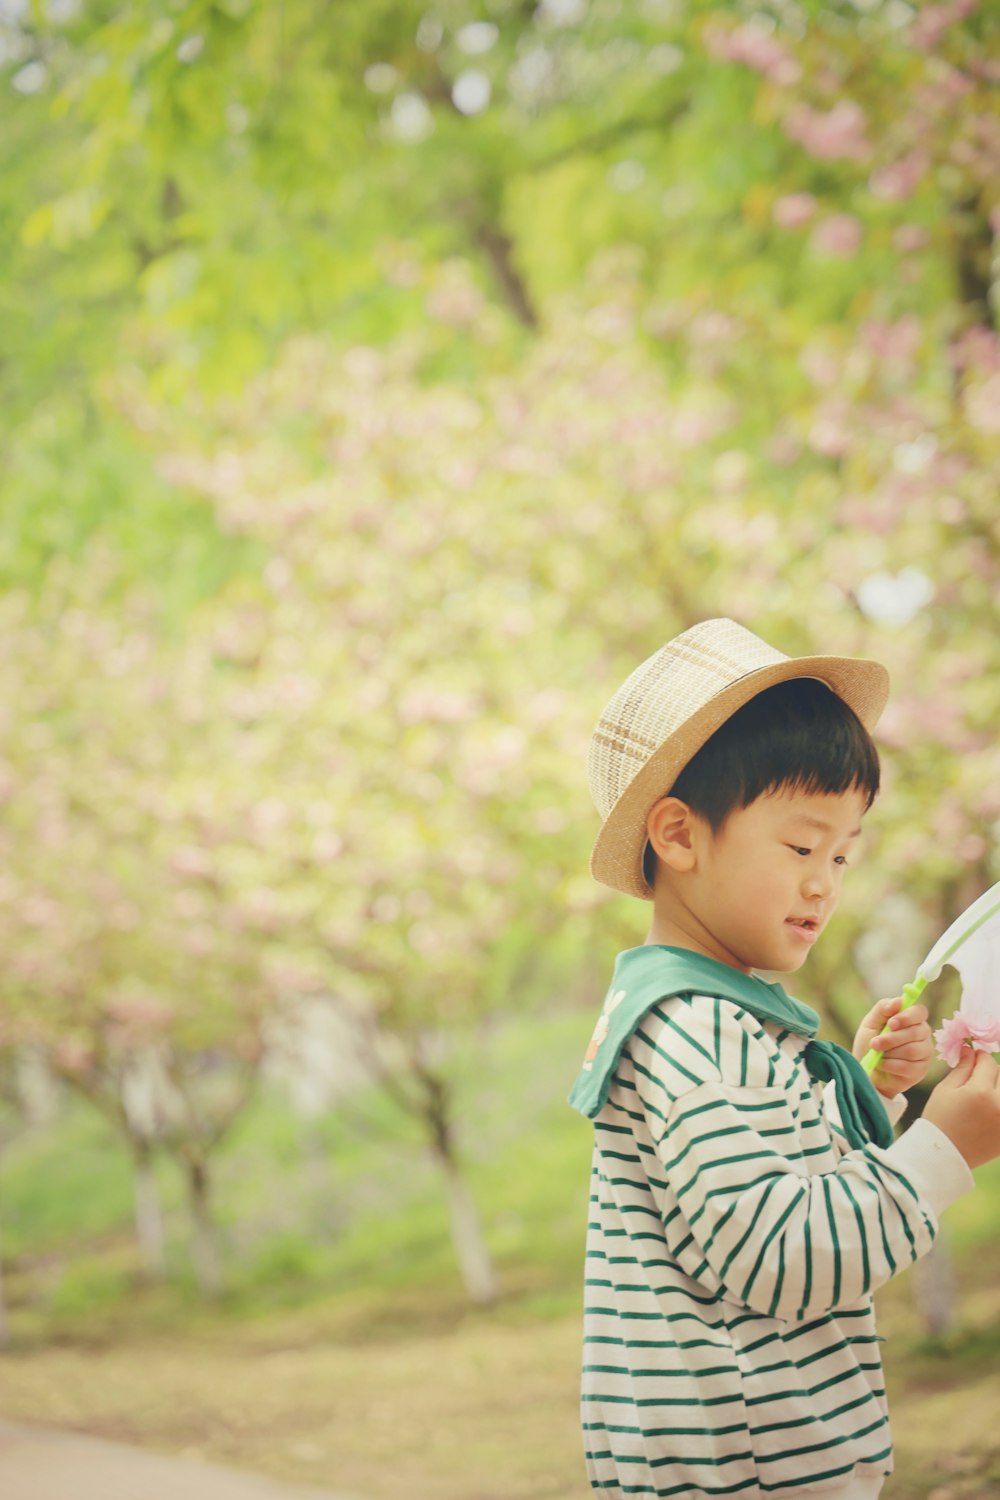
<point>382,381</point>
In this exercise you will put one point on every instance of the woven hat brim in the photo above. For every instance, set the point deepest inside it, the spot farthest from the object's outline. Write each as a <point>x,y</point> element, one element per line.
<point>616,859</point>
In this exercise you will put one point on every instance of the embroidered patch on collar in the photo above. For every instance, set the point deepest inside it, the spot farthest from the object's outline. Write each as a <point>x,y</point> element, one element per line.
<point>611,1004</point>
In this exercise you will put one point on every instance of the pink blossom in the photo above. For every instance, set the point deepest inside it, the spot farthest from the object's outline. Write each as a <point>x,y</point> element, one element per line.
<point>426,705</point>
<point>896,726</point>
<point>895,343</point>
<point>714,327</point>
<point>134,1018</point>
<point>981,1032</point>
<point>953,511</point>
<point>981,400</point>
<point>874,513</point>
<point>794,210</point>
<point>692,426</point>
<point>942,91</point>
<point>837,132</point>
<point>839,235</point>
<point>784,448</point>
<point>977,348</point>
<point>932,22</point>
<point>910,237</point>
<point>900,179</point>
<point>754,46</point>
<point>73,1057</point>
<point>830,431</point>
<point>820,364</point>
<point>192,862</point>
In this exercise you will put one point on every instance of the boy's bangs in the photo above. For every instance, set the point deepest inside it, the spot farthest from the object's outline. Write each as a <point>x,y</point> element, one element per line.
<point>798,734</point>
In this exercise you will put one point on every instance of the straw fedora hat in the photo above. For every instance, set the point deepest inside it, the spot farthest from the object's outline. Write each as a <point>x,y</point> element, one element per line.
<point>666,710</point>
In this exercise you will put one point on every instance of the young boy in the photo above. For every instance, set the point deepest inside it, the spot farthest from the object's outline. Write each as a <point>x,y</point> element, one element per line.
<point>747,1193</point>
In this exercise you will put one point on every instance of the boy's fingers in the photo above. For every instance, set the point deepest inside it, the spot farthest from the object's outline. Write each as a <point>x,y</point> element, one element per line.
<point>897,1064</point>
<point>966,1066</point>
<point>880,1013</point>
<point>914,1047</point>
<point>916,1015</point>
<point>984,1070</point>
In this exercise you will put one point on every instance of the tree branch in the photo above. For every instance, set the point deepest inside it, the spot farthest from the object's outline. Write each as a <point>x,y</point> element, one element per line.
<point>610,135</point>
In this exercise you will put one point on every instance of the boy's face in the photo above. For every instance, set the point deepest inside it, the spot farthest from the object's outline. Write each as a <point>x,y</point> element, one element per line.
<point>762,889</point>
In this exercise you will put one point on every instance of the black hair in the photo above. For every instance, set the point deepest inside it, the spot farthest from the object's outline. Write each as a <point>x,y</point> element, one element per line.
<point>798,734</point>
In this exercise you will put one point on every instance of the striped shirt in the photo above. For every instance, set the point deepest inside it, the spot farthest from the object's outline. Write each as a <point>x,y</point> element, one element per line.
<point>733,1246</point>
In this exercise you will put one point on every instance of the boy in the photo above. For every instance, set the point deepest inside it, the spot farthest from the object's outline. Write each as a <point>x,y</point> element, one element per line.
<point>747,1193</point>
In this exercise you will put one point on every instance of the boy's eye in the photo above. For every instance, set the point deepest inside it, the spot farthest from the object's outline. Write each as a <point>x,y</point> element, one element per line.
<point>841,859</point>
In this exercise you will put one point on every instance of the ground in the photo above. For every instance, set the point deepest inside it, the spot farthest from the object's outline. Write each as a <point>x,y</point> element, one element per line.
<point>470,1404</point>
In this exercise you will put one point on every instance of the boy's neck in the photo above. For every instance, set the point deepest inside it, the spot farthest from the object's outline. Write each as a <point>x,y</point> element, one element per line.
<point>672,933</point>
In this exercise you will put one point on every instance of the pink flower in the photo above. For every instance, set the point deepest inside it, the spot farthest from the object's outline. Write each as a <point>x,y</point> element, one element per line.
<point>909,238</point>
<point>794,210</point>
<point>900,179</point>
<point>982,1032</point>
<point>977,348</point>
<point>752,44</point>
<point>980,399</point>
<point>838,132</point>
<point>895,343</point>
<point>840,235</point>
<point>932,23</point>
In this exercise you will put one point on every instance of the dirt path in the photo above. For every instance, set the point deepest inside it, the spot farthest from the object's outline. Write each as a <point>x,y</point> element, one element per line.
<point>39,1463</point>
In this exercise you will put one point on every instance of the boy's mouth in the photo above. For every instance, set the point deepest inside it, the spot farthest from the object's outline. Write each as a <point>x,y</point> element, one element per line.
<point>807,926</point>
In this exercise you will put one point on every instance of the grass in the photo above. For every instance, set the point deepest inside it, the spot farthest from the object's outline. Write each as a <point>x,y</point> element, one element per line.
<point>345,1335</point>
<point>306,1210</point>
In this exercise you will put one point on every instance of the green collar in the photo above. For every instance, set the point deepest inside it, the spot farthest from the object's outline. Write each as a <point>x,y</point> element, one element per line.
<point>654,971</point>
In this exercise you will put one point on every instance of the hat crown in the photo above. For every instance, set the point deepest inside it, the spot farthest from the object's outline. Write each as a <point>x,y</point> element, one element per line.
<point>660,696</point>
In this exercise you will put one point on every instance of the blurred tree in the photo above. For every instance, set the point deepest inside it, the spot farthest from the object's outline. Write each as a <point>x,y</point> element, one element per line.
<point>618,316</point>
<point>234,172</point>
<point>162,1035</point>
<point>10,1120</point>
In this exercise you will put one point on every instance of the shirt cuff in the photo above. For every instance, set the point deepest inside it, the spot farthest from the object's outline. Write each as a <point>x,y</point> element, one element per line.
<point>894,1107</point>
<point>932,1164</point>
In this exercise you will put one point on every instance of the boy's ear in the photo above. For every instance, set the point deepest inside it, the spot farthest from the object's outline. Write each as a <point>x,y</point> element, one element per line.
<point>670,829</point>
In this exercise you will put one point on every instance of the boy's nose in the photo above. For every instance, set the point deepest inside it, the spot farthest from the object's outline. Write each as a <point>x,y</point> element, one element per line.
<point>817,886</point>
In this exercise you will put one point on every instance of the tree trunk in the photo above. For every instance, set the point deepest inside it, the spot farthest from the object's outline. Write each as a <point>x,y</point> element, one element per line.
<point>466,1233</point>
<point>974,257</point>
<point>498,248</point>
<point>435,1110</point>
<point>204,1242</point>
<point>148,1214</point>
<point>936,1288</point>
<point>4,1324</point>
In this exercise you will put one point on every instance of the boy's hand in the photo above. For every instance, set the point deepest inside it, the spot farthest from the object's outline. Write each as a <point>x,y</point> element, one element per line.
<point>966,1106</point>
<point>907,1048</point>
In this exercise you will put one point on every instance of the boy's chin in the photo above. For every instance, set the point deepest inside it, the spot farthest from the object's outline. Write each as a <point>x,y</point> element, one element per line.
<point>786,965</point>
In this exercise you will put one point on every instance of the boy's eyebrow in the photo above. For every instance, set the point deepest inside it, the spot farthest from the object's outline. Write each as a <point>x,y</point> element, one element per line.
<point>823,826</point>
